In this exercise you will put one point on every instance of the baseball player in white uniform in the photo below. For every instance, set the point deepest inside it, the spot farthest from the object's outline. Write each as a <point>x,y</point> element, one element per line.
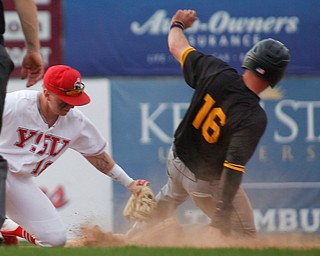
<point>38,127</point>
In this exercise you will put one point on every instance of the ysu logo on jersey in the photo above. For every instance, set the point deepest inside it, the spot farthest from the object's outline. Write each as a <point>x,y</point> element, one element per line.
<point>52,146</point>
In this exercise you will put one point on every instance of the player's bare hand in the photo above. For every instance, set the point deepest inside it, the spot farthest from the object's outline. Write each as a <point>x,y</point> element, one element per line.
<point>32,68</point>
<point>186,17</point>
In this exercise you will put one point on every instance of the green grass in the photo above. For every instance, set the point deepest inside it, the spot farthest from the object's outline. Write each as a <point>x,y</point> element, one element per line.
<point>147,251</point>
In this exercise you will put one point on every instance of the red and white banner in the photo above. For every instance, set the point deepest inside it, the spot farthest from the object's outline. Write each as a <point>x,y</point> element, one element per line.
<point>50,17</point>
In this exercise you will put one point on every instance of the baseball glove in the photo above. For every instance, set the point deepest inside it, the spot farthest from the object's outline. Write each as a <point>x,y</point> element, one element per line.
<point>141,204</point>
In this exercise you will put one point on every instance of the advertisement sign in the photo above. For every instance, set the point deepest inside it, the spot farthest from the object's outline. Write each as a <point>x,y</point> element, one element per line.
<point>50,32</point>
<point>128,38</point>
<point>139,116</point>
<point>282,178</point>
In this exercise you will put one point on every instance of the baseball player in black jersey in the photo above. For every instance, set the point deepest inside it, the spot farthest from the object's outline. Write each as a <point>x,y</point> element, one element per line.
<point>32,69</point>
<point>220,130</point>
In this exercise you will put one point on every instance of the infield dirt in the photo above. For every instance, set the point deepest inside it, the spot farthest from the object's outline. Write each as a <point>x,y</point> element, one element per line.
<point>171,234</point>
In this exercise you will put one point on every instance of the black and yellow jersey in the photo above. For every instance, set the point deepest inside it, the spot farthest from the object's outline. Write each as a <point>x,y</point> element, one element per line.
<point>224,121</point>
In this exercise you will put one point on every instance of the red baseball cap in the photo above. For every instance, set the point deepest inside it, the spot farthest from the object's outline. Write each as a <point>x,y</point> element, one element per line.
<point>66,83</point>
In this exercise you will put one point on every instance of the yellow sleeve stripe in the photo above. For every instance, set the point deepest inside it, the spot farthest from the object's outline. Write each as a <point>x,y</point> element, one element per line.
<point>235,167</point>
<point>185,54</point>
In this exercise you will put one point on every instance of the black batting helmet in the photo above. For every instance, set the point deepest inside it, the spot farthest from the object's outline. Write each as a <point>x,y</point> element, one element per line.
<point>268,59</point>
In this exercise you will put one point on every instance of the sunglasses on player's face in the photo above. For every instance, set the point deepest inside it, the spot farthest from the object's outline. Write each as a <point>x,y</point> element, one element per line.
<point>76,91</point>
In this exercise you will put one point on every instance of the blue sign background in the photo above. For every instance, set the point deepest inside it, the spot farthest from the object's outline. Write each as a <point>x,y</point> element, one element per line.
<point>281,174</point>
<point>129,38</point>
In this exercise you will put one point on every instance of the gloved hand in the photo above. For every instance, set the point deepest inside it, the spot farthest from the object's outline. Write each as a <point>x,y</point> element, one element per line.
<point>141,204</point>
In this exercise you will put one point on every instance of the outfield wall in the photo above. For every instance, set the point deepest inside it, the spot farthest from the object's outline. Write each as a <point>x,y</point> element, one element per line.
<point>282,178</point>
<point>139,116</point>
